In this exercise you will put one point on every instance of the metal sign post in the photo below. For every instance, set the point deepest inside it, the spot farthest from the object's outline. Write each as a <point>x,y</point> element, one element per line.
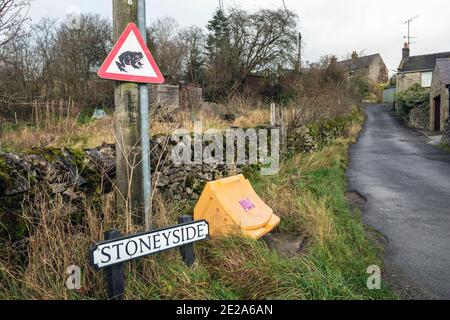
<point>145,128</point>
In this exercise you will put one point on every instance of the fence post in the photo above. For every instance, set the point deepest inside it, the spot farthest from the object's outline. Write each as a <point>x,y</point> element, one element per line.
<point>47,115</point>
<point>284,132</point>
<point>187,251</point>
<point>273,115</point>
<point>37,114</point>
<point>115,277</point>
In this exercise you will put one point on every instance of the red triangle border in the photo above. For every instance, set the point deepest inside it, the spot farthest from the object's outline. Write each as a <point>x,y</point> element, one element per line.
<point>102,72</point>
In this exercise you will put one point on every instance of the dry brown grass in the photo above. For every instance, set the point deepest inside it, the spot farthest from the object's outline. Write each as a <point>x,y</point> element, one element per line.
<point>258,117</point>
<point>56,244</point>
<point>70,133</point>
<point>65,133</point>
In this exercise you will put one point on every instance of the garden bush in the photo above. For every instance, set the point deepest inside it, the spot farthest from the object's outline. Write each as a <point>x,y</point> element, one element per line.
<point>414,97</point>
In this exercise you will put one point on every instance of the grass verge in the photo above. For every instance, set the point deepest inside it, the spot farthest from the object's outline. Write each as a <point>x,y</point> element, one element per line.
<point>444,147</point>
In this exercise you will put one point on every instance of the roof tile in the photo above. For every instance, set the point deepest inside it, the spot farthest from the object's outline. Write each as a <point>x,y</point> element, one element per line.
<point>443,67</point>
<point>423,62</point>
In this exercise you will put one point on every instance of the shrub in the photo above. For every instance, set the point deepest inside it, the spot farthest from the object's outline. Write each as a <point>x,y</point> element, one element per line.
<point>414,97</point>
<point>362,87</point>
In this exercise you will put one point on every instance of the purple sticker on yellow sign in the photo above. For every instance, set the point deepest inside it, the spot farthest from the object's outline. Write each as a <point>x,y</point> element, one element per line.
<point>247,205</point>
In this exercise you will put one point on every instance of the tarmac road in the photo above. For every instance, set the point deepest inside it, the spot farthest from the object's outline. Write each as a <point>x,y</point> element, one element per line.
<point>407,186</point>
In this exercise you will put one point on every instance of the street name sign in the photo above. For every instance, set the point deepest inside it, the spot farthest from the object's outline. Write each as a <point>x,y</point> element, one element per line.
<point>130,60</point>
<point>118,251</point>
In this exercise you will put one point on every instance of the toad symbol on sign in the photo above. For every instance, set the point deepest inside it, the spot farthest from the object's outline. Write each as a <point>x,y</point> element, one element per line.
<point>130,58</point>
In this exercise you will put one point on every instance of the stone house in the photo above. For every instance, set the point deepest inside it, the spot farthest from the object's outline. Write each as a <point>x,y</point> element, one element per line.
<point>417,69</point>
<point>371,67</point>
<point>440,95</point>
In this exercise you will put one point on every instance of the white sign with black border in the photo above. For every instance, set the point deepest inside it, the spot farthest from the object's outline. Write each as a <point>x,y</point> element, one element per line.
<point>117,251</point>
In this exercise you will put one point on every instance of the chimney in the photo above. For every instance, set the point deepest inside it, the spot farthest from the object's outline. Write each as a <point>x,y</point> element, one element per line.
<point>354,56</point>
<point>333,60</point>
<point>405,51</point>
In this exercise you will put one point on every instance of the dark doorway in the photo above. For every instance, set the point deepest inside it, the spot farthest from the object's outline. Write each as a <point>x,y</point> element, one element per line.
<point>437,113</point>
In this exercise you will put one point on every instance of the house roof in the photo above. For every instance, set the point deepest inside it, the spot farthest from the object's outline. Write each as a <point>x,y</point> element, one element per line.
<point>359,63</point>
<point>423,62</point>
<point>443,68</point>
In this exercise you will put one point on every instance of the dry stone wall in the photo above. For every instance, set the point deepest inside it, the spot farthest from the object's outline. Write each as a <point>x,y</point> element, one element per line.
<point>67,171</point>
<point>419,118</point>
<point>75,174</point>
<point>446,134</point>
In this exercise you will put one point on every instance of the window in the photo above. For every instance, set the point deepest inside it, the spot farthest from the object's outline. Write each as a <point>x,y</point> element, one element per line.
<point>426,78</point>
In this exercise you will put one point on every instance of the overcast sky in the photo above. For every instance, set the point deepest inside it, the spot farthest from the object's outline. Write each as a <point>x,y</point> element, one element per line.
<point>328,26</point>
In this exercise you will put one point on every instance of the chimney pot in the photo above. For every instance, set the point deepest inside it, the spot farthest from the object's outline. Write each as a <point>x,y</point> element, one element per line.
<point>333,60</point>
<point>406,51</point>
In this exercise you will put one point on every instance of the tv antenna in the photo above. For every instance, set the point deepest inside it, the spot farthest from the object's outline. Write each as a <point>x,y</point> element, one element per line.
<point>408,22</point>
<point>221,7</point>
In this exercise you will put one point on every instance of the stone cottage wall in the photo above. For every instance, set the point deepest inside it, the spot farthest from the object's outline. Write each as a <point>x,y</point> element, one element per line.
<point>446,134</point>
<point>438,89</point>
<point>407,80</point>
<point>419,118</point>
<point>378,72</point>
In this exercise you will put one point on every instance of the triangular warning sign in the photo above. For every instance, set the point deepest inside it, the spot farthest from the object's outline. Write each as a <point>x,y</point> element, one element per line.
<point>130,60</point>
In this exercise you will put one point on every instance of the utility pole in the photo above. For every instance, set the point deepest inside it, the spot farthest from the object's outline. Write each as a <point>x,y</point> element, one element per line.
<point>408,22</point>
<point>129,178</point>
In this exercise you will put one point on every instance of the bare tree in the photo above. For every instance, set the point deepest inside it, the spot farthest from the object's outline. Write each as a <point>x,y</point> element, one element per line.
<point>77,55</point>
<point>52,61</point>
<point>168,47</point>
<point>194,41</point>
<point>262,40</point>
<point>242,42</point>
<point>18,69</point>
<point>13,14</point>
<point>44,34</point>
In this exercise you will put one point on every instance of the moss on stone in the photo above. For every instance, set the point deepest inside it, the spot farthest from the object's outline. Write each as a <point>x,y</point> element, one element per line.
<point>79,157</point>
<point>5,172</point>
<point>325,132</point>
<point>195,184</point>
<point>12,225</point>
<point>49,154</point>
<point>52,154</point>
